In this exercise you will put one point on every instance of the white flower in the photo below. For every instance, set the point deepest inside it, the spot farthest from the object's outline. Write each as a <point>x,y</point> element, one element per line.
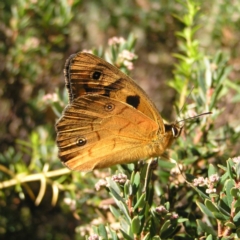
<point>51,97</point>
<point>200,181</point>
<point>214,178</point>
<point>116,40</point>
<point>211,190</point>
<point>120,178</point>
<point>100,183</point>
<point>236,159</point>
<point>93,237</point>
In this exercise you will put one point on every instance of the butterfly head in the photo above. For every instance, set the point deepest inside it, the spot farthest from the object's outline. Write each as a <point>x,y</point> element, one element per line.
<point>176,129</point>
<point>172,132</point>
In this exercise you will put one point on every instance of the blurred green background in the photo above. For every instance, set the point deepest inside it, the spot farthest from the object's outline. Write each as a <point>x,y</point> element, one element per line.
<point>36,37</point>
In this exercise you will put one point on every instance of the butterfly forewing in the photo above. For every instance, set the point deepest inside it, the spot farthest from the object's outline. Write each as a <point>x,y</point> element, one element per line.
<point>88,74</point>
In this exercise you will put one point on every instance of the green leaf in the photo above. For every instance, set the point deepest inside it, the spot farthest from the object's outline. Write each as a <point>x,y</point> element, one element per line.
<point>181,220</point>
<point>131,41</point>
<point>166,164</point>
<point>211,206</point>
<point>204,209</point>
<point>141,201</point>
<point>147,236</point>
<point>128,189</point>
<point>113,234</point>
<point>224,177</point>
<point>135,182</point>
<point>211,170</point>
<point>125,226</point>
<point>215,96</point>
<point>165,226</point>
<point>229,184</point>
<point>114,188</point>
<point>126,236</point>
<point>238,170</point>
<point>124,210</point>
<point>114,211</point>
<point>167,205</point>
<point>204,228</point>
<point>218,212</point>
<point>223,205</point>
<point>222,76</point>
<point>229,168</point>
<point>168,229</point>
<point>237,203</point>
<point>236,218</point>
<point>220,216</point>
<point>201,193</point>
<point>210,237</point>
<point>136,225</point>
<point>145,210</point>
<point>132,177</point>
<point>156,238</point>
<point>238,232</point>
<point>102,231</point>
<point>234,192</point>
<point>230,225</point>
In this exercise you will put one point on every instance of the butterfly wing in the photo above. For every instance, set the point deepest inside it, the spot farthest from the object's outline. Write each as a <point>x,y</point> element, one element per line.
<point>86,74</point>
<point>97,132</point>
<point>109,119</point>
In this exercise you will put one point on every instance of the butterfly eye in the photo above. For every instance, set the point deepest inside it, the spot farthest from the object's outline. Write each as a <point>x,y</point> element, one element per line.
<point>96,75</point>
<point>81,141</point>
<point>176,131</point>
<point>109,107</point>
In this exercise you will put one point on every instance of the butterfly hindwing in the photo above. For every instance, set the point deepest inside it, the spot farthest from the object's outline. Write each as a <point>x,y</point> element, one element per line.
<point>100,130</point>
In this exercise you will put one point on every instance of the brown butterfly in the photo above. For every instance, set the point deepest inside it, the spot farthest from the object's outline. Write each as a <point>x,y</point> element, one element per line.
<point>109,119</point>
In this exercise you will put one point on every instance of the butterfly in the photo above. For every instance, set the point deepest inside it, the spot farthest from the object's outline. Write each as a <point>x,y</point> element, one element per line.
<point>109,119</point>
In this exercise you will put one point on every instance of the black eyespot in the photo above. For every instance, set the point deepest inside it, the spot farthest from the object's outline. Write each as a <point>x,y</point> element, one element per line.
<point>81,141</point>
<point>133,101</point>
<point>96,75</point>
<point>109,107</point>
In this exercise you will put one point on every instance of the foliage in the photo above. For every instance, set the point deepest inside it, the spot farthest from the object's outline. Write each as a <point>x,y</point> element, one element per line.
<point>193,195</point>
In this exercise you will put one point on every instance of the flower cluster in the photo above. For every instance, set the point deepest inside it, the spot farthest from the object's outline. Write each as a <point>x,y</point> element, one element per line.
<point>236,159</point>
<point>161,209</point>
<point>50,97</point>
<point>116,41</point>
<point>30,44</point>
<point>87,51</point>
<point>176,174</point>
<point>209,182</point>
<point>126,58</point>
<point>119,178</point>
<point>93,237</point>
<point>70,202</point>
<point>100,183</point>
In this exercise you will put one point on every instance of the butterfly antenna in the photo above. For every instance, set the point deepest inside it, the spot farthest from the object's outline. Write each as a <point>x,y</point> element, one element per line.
<point>197,116</point>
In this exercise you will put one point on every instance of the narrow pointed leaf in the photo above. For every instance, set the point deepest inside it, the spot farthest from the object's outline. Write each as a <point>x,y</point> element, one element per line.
<point>204,209</point>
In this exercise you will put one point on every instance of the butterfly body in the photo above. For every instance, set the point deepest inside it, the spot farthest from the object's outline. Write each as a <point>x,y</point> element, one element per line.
<point>109,120</point>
